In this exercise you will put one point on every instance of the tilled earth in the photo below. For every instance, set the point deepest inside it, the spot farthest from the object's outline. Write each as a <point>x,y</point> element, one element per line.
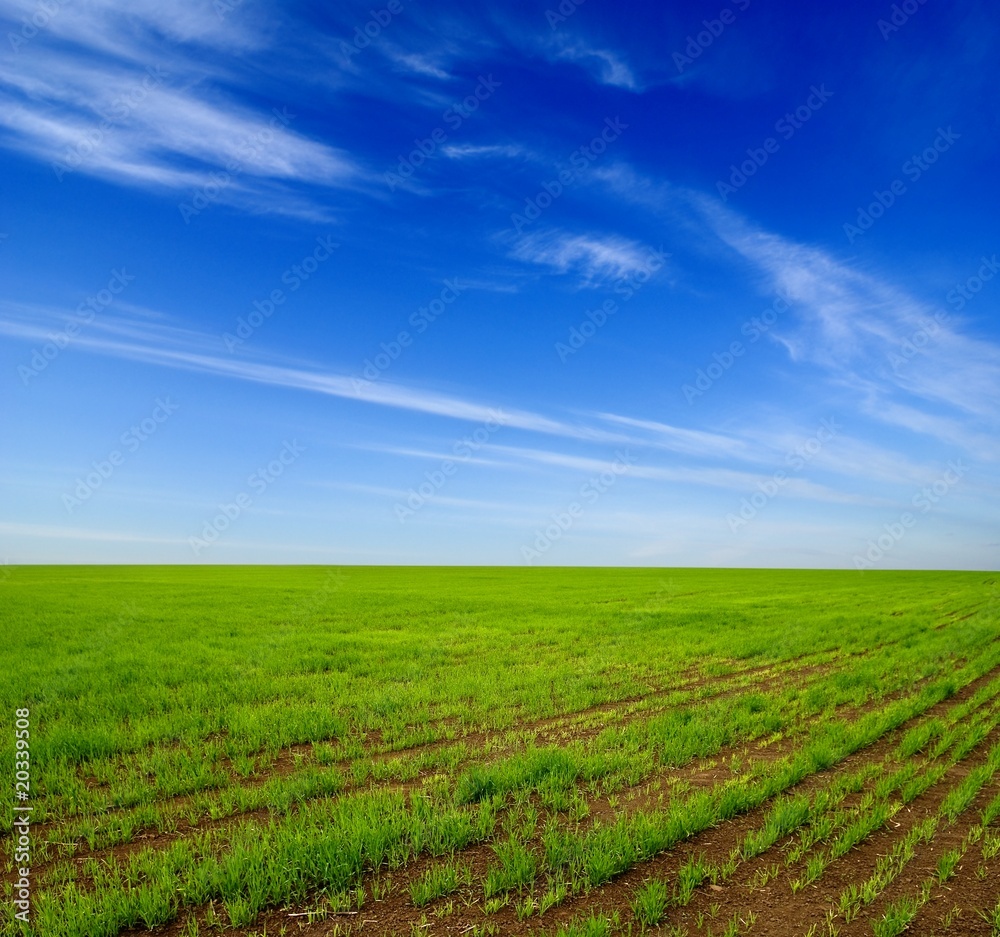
<point>756,896</point>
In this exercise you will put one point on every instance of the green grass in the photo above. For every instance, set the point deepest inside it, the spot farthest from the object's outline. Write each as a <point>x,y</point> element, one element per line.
<point>438,881</point>
<point>650,902</point>
<point>444,706</point>
<point>896,918</point>
<point>992,918</point>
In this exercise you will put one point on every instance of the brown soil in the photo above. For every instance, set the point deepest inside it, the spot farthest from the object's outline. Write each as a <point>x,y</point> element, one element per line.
<point>779,913</point>
<point>779,910</point>
<point>559,730</point>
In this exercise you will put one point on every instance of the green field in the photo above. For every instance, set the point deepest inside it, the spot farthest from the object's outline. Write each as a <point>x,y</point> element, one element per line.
<point>432,751</point>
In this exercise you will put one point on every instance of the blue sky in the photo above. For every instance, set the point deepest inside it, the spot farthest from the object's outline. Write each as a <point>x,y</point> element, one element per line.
<point>542,284</point>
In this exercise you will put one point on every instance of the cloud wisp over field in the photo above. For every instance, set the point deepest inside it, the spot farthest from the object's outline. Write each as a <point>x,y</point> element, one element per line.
<point>425,283</point>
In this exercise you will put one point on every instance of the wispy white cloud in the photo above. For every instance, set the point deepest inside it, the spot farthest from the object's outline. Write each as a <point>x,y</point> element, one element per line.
<point>857,327</point>
<point>941,427</point>
<point>492,286</point>
<point>851,457</point>
<point>148,337</point>
<point>153,340</point>
<point>122,104</point>
<point>132,29</point>
<point>713,477</point>
<point>162,344</point>
<point>472,151</point>
<point>851,322</point>
<point>415,62</point>
<point>171,137</point>
<point>677,439</point>
<point>841,454</point>
<point>593,258</point>
<point>430,455</point>
<point>503,510</point>
<point>54,531</point>
<point>606,66</point>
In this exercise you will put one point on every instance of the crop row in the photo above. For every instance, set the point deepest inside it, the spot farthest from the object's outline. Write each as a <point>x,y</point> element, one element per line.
<point>328,845</point>
<point>822,821</point>
<point>618,755</point>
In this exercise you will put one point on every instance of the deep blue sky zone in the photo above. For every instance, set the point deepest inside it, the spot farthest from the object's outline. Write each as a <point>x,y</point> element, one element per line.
<point>495,345</point>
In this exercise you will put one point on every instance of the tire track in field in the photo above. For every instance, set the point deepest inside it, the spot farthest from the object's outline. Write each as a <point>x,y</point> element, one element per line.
<point>948,836</point>
<point>163,839</point>
<point>691,678</point>
<point>547,731</point>
<point>953,616</point>
<point>159,838</point>
<point>699,772</point>
<point>290,758</point>
<point>709,771</point>
<point>377,746</point>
